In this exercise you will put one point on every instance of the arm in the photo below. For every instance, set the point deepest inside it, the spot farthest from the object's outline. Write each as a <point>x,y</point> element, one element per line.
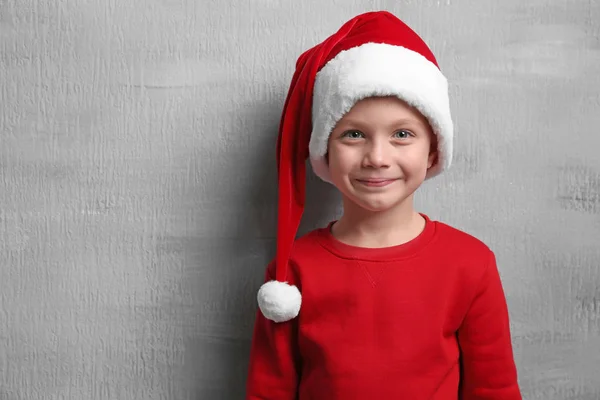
<point>488,368</point>
<point>274,360</point>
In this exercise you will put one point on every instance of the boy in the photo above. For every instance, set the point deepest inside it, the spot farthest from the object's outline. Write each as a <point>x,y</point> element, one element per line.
<point>394,305</point>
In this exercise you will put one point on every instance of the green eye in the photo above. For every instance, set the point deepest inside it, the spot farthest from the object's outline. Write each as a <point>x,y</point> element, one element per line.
<point>404,133</point>
<point>353,134</point>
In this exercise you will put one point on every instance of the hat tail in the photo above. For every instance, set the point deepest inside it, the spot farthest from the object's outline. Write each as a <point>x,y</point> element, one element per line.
<point>278,300</point>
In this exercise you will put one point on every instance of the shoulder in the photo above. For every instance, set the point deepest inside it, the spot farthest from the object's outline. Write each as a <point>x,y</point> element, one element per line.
<point>467,255</point>
<point>460,242</point>
<point>306,250</point>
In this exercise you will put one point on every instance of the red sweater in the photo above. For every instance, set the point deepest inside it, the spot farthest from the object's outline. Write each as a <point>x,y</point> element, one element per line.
<point>424,320</point>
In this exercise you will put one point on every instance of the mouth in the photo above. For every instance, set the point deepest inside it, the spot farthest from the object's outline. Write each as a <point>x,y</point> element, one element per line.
<point>376,182</point>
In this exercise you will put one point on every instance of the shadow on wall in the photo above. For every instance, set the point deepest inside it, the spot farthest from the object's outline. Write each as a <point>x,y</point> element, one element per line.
<point>224,272</point>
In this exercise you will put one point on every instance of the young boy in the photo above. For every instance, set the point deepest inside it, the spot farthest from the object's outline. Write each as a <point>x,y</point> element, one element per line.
<point>383,303</point>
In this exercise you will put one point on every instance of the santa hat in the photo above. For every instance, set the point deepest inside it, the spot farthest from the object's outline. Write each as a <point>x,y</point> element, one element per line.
<point>373,54</point>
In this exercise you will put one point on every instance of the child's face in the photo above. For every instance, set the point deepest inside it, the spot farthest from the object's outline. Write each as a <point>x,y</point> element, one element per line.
<point>380,138</point>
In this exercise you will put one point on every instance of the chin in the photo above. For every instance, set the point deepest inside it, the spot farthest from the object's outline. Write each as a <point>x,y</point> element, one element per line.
<point>378,203</point>
<point>383,206</point>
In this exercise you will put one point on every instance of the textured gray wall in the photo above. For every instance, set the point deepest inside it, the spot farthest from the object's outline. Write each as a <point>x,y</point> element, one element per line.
<point>137,183</point>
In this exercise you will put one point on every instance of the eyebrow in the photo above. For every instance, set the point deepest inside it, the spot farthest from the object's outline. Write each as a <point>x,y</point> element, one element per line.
<point>394,123</point>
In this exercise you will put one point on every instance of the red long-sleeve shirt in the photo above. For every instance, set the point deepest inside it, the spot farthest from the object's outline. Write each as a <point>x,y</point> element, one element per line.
<point>424,320</point>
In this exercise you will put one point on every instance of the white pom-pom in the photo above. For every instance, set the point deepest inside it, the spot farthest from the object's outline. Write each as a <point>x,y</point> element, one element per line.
<point>279,301</point>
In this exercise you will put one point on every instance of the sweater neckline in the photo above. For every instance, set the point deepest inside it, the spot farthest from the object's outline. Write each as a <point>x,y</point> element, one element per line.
<point>404,250</point>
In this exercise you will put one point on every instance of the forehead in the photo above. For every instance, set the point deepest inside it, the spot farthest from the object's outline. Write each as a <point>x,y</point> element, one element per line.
<point>384,105</point>
<point>384,108</point>
<point>383,102</point>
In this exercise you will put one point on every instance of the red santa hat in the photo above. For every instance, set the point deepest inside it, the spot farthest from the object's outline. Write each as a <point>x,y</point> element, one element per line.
<point>373,54</point>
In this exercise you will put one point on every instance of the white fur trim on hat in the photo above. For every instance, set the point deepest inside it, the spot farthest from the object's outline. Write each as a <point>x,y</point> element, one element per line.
<point>377,69</point>
<point>279,301</point>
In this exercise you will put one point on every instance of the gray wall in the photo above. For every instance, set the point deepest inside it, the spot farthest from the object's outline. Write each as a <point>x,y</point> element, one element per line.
<point>137,183</point>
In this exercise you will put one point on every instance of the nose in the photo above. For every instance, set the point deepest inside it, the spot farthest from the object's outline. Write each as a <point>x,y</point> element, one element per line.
<point>377,154</point>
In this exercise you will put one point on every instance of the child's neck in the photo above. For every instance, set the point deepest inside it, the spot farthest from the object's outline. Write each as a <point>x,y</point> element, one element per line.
<point>362,228</point>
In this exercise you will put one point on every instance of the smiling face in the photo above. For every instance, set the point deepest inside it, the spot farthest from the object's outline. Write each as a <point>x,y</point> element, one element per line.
<point>379,154</point>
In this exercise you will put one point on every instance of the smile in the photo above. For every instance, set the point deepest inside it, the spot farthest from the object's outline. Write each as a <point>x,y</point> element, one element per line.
<point>376,182</point>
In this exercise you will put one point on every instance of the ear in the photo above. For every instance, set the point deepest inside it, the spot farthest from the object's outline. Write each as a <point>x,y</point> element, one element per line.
<point>433,150</point>
<point>432,159</point>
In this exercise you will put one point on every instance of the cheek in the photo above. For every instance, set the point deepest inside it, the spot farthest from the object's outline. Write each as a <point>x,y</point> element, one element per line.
<point>341,161</point>
<point>417,156</point>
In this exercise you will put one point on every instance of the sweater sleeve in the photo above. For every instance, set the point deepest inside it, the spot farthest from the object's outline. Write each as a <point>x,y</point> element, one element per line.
<point>274,360</point>
<point>488,368</point>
